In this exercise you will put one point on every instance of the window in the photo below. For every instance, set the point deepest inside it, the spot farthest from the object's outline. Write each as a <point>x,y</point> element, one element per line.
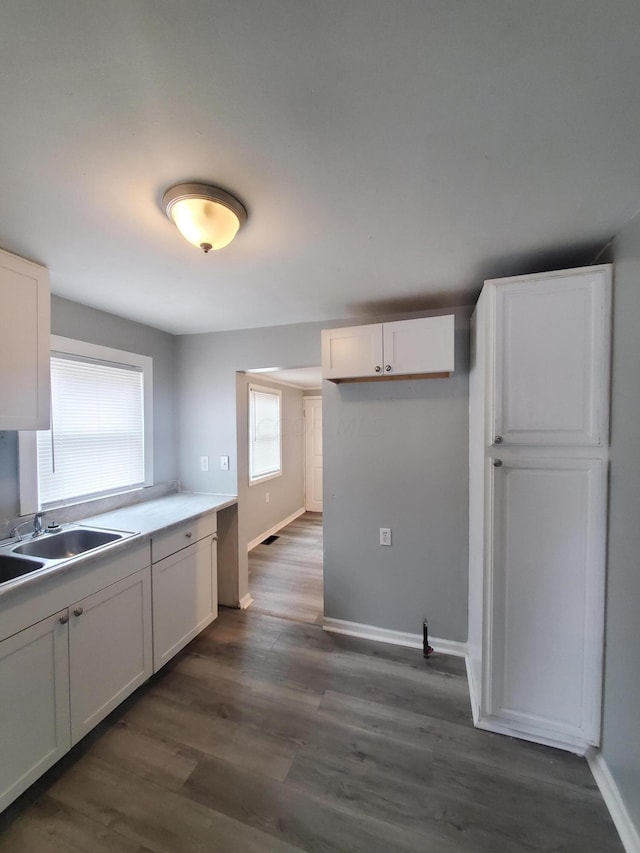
<point>265,452</point>
<point>99,441</point>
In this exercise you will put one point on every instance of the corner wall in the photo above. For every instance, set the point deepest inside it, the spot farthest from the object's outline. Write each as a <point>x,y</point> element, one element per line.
<point>621,713</point>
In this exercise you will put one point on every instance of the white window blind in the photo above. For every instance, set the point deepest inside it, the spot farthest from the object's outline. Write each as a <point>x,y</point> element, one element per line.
<point>264,433</point>
<point>96,443</point>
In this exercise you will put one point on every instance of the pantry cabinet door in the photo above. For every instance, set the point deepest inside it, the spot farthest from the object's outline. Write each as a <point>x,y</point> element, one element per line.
<point>34,710</point>
<point>551,360</point>
<point>547,597</point>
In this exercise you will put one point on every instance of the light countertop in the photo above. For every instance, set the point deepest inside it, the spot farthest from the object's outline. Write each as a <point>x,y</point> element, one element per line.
<point>161,513</point>
<point>142,520</point>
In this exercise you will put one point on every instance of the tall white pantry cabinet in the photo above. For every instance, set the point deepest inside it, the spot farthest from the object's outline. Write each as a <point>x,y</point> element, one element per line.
<point>538,421</point>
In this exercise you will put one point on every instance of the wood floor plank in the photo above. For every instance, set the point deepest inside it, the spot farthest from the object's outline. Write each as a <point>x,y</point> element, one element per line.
<point>449,740</point>
<point>285,578</point>
<point>307,821</point>
<point>211,734</point>
<point>163,821</point>
<point>53,827</point>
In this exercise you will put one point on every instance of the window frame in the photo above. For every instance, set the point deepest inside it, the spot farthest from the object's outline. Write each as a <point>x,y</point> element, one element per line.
<point>276,392</point>
<point>27,440</point>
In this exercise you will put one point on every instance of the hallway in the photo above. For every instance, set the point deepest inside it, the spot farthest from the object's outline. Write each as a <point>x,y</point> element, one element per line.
<point>285,578</point>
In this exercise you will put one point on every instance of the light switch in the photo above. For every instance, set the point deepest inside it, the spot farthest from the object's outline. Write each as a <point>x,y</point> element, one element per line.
<point>224,463</point>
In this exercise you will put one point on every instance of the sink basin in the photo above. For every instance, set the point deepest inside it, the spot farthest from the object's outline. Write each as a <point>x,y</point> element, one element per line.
<point>67,544</point>
<point>15,567</point>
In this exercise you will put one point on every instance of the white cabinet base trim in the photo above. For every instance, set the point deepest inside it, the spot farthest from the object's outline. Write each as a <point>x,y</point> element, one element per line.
<point>474,695</point>
<point>255,542</point>
<point>627,831</point>
<point>395,638</point>
<point>501,727</point>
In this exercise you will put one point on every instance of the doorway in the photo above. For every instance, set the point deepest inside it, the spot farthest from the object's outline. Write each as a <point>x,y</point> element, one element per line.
<point>313,453</point>
<point>283,515</point>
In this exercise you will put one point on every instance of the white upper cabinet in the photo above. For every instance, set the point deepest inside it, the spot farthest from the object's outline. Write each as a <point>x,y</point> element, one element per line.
<point>389,350</point>
<point>352,352</point>
<point>551,358</point>
<point>24,344</point>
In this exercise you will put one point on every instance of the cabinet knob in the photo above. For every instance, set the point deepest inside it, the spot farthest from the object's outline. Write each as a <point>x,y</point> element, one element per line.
<point>497,463</point>
<point>497,439</point>
<point>188,534</point>
<point>387,367</point>
<point>64,619</point>
<point>78,611</point>
<point>378,368</point>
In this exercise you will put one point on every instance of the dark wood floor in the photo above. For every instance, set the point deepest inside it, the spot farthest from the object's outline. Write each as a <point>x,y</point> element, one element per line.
<point>269,735</point>
<point>285,578</point>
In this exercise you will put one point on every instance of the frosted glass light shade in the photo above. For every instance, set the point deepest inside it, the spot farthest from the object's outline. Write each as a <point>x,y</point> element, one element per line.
<point>206,216</point>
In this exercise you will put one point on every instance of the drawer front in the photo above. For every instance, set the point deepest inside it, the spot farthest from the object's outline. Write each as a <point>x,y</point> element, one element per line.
<point>182,535</point>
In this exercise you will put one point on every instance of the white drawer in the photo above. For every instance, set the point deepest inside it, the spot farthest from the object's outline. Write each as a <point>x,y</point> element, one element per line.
<point>186,533</point>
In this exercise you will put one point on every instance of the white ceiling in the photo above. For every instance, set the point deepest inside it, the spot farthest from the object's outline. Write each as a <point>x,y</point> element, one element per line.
<point>391,155</point>
<point>307,378</point>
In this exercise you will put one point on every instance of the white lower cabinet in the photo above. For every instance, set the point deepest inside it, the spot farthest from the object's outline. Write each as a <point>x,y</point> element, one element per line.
<point>65,672</point>
<point>185,597</point>
<point>34,711</point>
<point>110,651</point>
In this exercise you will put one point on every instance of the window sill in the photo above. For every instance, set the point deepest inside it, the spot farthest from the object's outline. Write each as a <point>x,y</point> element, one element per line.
<point>265,479</point>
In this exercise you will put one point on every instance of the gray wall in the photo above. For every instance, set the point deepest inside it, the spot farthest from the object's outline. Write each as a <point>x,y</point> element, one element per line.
<point>395,456</point>
<point>286,493</point>
<point>87,324</point>
<point>621,740</point>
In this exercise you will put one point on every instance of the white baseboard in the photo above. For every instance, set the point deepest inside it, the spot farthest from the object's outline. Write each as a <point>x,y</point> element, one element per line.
<point>245,601</point>
<point>627,831</point>
<point>255,542</point>
<point>396,638</point>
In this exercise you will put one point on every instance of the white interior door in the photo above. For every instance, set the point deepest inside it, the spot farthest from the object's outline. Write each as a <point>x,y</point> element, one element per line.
<point>313,453</point>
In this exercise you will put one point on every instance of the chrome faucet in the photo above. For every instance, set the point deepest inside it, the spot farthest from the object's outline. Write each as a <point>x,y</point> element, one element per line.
<point>37,527</point>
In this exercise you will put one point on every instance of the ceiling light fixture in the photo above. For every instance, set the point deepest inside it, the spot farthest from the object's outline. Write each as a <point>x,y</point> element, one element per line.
<point>206,216</point>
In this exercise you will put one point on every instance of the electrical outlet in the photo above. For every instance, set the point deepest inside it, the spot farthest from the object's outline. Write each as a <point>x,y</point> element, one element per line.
<point>224,463</point>
<point>266,497</point>
<point>204,463</point>
<point>385,536</point>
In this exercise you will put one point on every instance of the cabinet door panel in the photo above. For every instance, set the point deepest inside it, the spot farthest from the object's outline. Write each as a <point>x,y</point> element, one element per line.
<point>552,361</point>
<point>109,649</point>
<point>425,345</point>
<point>548,595</point>
<point>185,598</point>
<point>34,711</point>
<point>24,344</point>
<point>352,352</point>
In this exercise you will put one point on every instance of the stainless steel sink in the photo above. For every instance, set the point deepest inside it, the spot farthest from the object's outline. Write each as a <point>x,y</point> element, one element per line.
<point>68,543</point>
<point>14,567</point>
